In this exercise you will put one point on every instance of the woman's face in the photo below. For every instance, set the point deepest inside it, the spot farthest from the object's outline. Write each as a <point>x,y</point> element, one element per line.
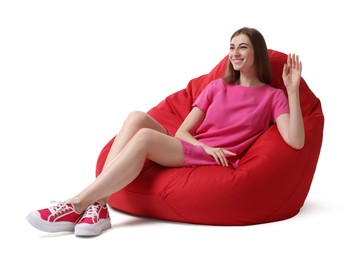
<point>241,53</point>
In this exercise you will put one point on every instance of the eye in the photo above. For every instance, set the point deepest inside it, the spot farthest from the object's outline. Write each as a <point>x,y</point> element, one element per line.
<point>231,48</point>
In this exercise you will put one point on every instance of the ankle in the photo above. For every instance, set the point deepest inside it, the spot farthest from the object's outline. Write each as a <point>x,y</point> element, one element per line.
<point>102,202</point>
<point>78,208</point>
<point>77,204</point>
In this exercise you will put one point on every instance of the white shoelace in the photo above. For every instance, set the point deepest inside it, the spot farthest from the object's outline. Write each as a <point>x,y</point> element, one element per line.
<point>61,206</point>
<point>92,211</point>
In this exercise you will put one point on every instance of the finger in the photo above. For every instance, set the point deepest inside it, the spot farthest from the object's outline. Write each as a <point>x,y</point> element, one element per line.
<point>289,60</point>
<point>229,152</point>
<point>285,70</point>
<point>298,63</point>
<point>222,158</point>
<point>224,161</point>
<point>293,62</point>
<point>216,158</point>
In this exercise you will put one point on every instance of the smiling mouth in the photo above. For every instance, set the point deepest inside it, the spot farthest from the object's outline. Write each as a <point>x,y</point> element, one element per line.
<point>237,60</point>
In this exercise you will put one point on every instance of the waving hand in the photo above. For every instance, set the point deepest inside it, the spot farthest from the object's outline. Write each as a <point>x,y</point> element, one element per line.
<point>291,73</point>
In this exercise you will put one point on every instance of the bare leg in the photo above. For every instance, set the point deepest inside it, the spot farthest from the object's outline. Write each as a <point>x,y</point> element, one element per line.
<point>133,123</point>
<point>126,166</point>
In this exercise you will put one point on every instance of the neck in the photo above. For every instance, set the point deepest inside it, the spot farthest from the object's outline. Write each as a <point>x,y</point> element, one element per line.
<point>247,80</point>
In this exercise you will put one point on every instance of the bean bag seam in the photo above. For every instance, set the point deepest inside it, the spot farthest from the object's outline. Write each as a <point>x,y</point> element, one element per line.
<point>174,210</point>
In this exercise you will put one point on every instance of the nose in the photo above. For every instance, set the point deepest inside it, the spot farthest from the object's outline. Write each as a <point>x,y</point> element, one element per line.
<point>235,52</point>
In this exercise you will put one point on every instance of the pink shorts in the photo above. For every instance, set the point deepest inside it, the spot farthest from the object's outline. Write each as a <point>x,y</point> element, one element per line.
<point>196,156</point>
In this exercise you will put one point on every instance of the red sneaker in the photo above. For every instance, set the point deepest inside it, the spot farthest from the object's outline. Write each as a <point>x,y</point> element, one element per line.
<point>59,218</point>
<point>94,220</point>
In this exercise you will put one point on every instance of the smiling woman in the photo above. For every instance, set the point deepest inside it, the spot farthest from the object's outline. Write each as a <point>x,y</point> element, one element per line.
<point>242,59</point>
<point>269,183</point>
<point>213,150</point>
<point>248,44</point>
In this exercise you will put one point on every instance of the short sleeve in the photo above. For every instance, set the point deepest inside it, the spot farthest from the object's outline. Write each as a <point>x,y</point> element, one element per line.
<point>205,98</point>
<point>280,105</point>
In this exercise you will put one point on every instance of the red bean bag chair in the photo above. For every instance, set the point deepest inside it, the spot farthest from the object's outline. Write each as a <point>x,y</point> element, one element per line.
<point>271,182</point>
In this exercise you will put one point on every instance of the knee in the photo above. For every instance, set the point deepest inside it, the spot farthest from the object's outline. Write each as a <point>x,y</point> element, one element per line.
<point>144,134</point>
<point>144,137</point>
<point>137,118</point>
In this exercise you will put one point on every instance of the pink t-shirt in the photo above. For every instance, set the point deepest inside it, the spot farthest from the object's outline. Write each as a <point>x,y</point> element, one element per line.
<point>235,116</point>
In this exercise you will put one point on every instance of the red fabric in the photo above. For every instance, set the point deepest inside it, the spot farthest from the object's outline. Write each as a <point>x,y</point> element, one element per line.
<point>271,182</point>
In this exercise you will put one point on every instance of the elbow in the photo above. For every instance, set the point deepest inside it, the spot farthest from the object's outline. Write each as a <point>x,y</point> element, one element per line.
<point>296,141</point>
<point>179,134</point>
<point>297,145</point>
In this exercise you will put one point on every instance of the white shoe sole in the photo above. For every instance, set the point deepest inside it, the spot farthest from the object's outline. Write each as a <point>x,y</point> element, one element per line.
<point>36,221</point>
<point>87,230</point>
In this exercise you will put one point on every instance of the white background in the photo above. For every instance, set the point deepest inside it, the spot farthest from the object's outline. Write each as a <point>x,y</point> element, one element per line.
<point>70,72</point>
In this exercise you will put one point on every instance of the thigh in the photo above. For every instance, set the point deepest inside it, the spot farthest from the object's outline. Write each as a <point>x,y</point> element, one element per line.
<point>139,120</point>
<point>162,148</point>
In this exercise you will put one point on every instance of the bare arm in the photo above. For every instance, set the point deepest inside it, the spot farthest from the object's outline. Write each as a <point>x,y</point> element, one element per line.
<point>291,126</point>
<point>189,126</point>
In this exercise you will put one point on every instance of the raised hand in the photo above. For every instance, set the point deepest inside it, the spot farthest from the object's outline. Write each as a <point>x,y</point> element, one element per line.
<point>291,73</point>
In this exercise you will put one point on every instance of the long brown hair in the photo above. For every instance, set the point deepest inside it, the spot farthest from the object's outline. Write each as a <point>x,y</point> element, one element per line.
<point>262,60</point>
